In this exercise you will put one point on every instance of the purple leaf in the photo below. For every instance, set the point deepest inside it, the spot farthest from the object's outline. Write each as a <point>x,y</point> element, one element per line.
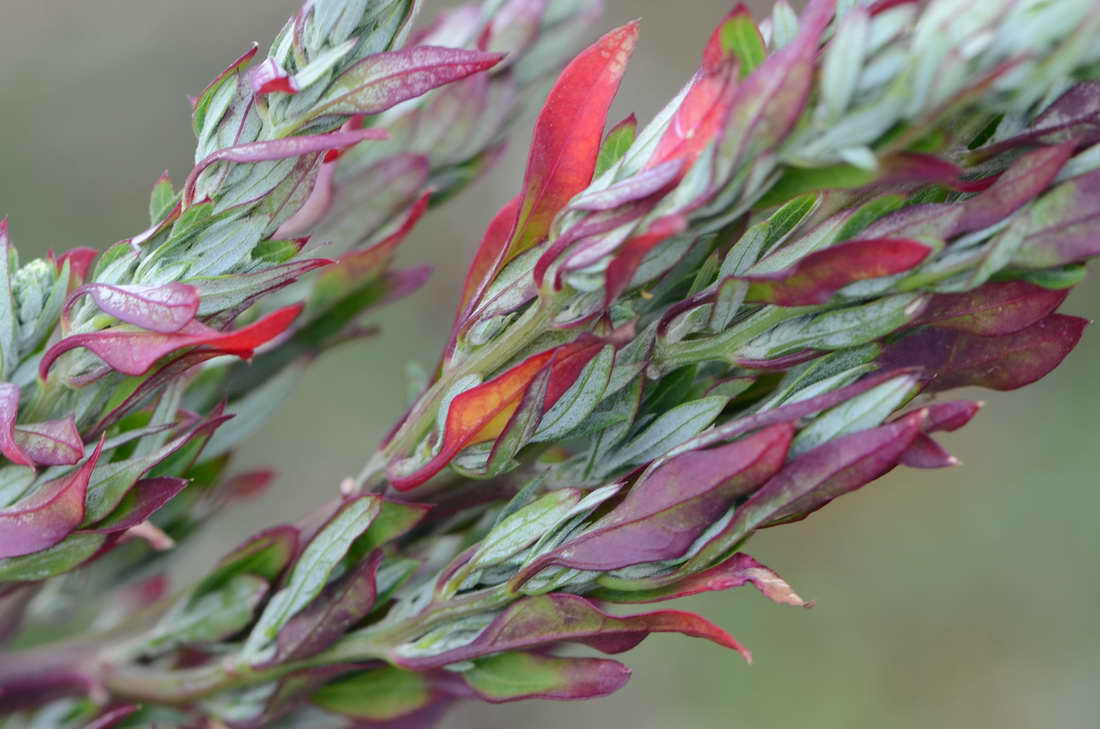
<point>665,512</point>
<point>549,619</point>
<point>9,410</point>
<point>956,359</point>
<point>149,495</point>
<point>949,416</point>
<point>1073,117</point>
<point>277,149</point>
<point>814,279</point>
<point>993,309</point>
<point>518,676</point>
<point>1019,184</point>
<point>741,569</point>
<point>1062,225</point>
<point>383,80</point>
<point>51,443</point>
<point>818,476</point>
<point>168,308</point>
<point>48,515</point>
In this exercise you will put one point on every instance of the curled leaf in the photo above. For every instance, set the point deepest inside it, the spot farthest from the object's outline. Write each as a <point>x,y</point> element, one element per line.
<point>165,309</point>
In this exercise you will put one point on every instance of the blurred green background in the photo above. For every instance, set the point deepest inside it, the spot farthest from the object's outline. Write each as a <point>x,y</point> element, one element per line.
<point>964,598</point>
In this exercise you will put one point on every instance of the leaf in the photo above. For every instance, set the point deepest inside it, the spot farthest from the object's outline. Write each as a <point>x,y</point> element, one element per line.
<point>112,717</point>
<point>340,605</point>
<point>615,145</point>
<point>738,570</point>
<point>9,320</point>
<point>861,412</point>
<point>738,35</point>
<point>672,428</point>
<point>383,80</point>
<point>1021,183</point>
<point>517,676</point>
<point>168,308</point>
<point>549,619</point>
<point>768,103</point>
<point>265,554</point>
<point>817,277</point>
<point>523,528</point>
<point>48,515</point>
<point>626,261</point>
<point>665,512</point>
<point>51,443</point>
<point>162,199</point>
<point>58,559</point>
<point>637,187</point>
<point>9,410</point>
<point>276,149</point>
<point>143,500</point>
<point>486,262</point>
<point>378,695</point>
<point>567,136</point>
<point>824,473</point>
<point>215,616</point>
<point>133,352</point>
<point>481,413</point>
<point>310,573</point>
<point>957,359</point>
<point>580,400</point>
<point>995,309</point>
<point>222,293</point>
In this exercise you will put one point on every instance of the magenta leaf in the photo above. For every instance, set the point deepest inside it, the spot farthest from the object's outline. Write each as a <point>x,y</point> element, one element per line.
<point>165,309</point>
<point>621,270</point>
<point>51,443</point>
<point>993,309</point>
<point>276,149</point>
<point>549,619</point>
<point>925,452</point>
<point>9,411</point>
<point>957,359</point>
<point>48,515</point>
<point>383,80</point>
<point>664,513</point>
<point>815,278</point>
<point>133,352</point>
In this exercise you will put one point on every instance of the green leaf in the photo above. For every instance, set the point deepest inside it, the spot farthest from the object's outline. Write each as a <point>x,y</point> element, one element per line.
<point>379,695</point>
<point>740,36</point>
<point>677,426</point>
<point>867,214</point>
<point>265,555</point>
<point>580,400</point>
<point>615,146</point>
<point>162,199</point>
<point>56,560</point>
<point>211,618</point>
<point>311,572</point>
<point>862,412</point>
<point>275,251</point>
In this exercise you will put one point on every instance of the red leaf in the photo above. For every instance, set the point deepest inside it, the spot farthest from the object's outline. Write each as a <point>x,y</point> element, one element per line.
<point>151,494</point>
<point>134,352</point>
<point>814,279</point>
<point>269,77</point>
<point>567,137</point>
<point>48,515</point>
<point>481,413</point>
<point>489,254</point>
<point>625,264</point>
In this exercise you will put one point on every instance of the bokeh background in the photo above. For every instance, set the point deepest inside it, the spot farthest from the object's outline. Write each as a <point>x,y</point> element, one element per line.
<point>965,598</point>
